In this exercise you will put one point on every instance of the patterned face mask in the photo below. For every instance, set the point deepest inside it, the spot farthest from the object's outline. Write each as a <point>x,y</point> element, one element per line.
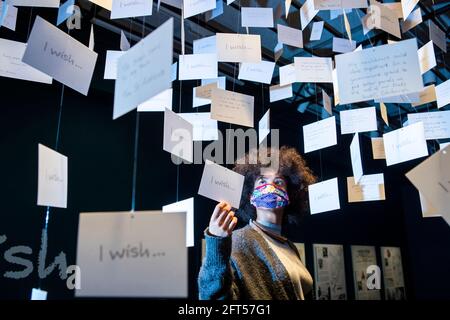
<point>269,196</point>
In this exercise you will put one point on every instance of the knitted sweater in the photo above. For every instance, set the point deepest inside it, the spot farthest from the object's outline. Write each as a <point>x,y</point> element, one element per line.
<point>243,266</point>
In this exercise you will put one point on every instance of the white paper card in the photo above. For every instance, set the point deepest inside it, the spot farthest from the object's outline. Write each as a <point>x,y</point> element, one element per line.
<point>37,294</point>
<point>277,92</point>
<point>232,107</point>
<point>427,59</point>
<point>204,128</point>
<point>205,45</point>
<point>307,13</point>
<point>112,58</point>
<point>383,71</point>
<point>238,47</point>
<point>258,72</point>
<point>369,188</point>
<point>342,45</point>
<point>11,65</point>
<point>194,7</point>
<point>257,17</point>
<point>316,32</point>
<point>35,3</point>
<point>188,207</point>
<point>197,66</point>
<point>436,124</point>
<point>427,95</point>
<point>124,254</point>
<point>378,148</point>
<point>355,154</point>
<point>339,4</point>
<point>178,135</point>
<point>405,144</point>
<point>52,178</point>
<point>159,102</point>
<point>221,184</point>
<point>358,120</point>
<point>264,127</point>
<point>199,101</point>
<point>290,36</point>
<point>107,4</point>
<point>131,8</point>
<point>10,19</point>
<point>320,134</point>
<point>145,70</point>
<point>311,69</point>
<point>287,74</point>
<point>443,94</point>
<point>60,56</point>
<point>324,196</point>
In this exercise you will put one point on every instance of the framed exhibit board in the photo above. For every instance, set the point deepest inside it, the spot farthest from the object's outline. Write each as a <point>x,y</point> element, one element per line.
<point>362,257</point>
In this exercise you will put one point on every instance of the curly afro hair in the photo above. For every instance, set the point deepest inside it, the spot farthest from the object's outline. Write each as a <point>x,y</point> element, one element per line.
<point>291,166</point>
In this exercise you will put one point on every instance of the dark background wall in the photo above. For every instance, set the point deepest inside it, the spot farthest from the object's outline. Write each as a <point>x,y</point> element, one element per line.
<point>100,153</point>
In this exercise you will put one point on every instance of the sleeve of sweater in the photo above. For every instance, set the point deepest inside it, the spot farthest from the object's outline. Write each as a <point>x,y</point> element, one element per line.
<point>216,279</point>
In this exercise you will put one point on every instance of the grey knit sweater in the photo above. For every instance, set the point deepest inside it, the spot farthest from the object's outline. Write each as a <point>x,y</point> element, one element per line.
<point>243,266</point>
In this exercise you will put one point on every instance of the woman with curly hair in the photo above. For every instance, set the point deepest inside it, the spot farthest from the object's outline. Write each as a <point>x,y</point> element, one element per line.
<point>257,262</point>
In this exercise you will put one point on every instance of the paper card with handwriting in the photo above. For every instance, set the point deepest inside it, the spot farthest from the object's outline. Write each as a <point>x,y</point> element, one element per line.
<point>35,3</point>
<point>316,32</point>
<point>436,123</point>
<point>178,135</point>
<point>383,71</point>
<point>145,70</point>
<point>52,178</point>
<point>443,94</point>
<point>378,148</point>
<point>197,66</point>
<point>204,128</point>
<point>437,36</point>
<point>194,7</point>
<point>232,107</point>
<point>112,58</point>
<point>130,254</point>
<point>432,179</point>
<point>107,4</point>
<point>369,188</point>
<point>403,98</point>
<point>320,134</point>
<point>405,144</point>
<point>312,69</point>
<point>407,7</point>
<point>277,92</point>
<point>131,8</point>
<point>358,120</point>
<point>342,45</point>
<point>287,74</point>
<point>290,36</point>
<point>221,184</point>
<point>65,11</point>
<point>427,58</point>
<point>159,102</point>
<point>258,72</point>
<point>339,4</point>
<point>10,18</point>
<point>187,206</point>
<point>307,13</point>
<point>60,56</point>
<point>413,20</point>
<point>264,127</point>
<point>37,294</point>
<point>11,65</point>
<point>427,95</point>
<point>233,47</point>
<point>383,18</point>
<point>205,91</point>
<point>355,155</point>
<point>257,17</point>
<point>205,45</point>
<point>324,196</point>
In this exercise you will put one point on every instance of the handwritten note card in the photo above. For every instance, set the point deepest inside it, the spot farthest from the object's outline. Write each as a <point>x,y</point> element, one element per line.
<point>238,47</point>
<point>427,58</point>
<point>131,8</point>
<point>204,128</point>
<point>290,36</point>
<point>221,184</point>
<point>342,45</point>
<point>378,148</point>
<point>159,102</point>
<point>203,97</point>
<point>320,134</point>
<point>382,71</point>
<point>287,74</point>
<point>405,144</point>
<point>60,56</point>
<point>258,72</point>
<point>307,13</point>
<point>277,92</point>
<point>124,254</point>
<point>197,66</point>
<point>52,178</point>
<point>358,120</point>
<point>311,69</point>
<point>436,124</point>
<point>178,134</point>
<point>194,7</point>
<point>112,58</point>
<point>369,188</point>
<point>11,65</point>
<point>324,196</point>
<point>188,207</point>
<point>339,4</point>
<point>232,107</point>
<point>443,94</point>
<point>257,17</point>
<point>145,70</point>
<point>205,45</point>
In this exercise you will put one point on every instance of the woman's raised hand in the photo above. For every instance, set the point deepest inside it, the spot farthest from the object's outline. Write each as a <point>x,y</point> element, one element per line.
<point>222,221</point>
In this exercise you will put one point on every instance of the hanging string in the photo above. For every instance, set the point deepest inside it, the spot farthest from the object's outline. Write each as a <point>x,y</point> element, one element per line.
<point>179,98</point>
<point>29,24</point>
